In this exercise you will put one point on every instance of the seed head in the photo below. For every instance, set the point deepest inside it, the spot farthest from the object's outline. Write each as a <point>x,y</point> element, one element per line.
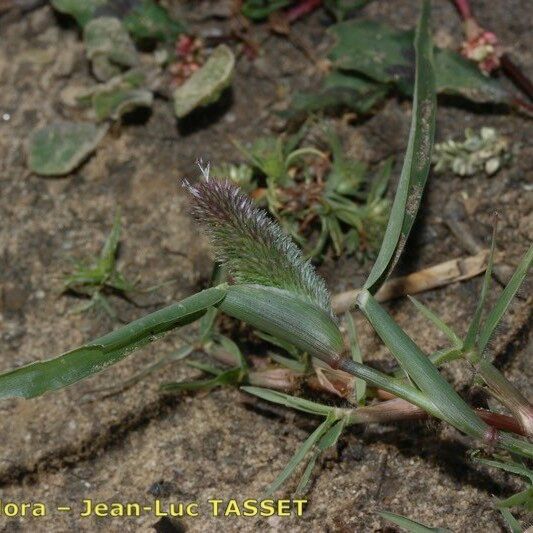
<point>252,247</point>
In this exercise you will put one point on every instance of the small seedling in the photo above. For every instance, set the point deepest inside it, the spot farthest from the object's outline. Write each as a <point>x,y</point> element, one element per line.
<point>101,277</point>
<point>321,197</point>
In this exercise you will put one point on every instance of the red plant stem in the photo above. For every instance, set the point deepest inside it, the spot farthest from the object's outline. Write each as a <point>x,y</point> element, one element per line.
<point>287,380</point>
<point>513,72</point>
<point>463,7</point>
<point>496,420</point>
<point>301,9</point>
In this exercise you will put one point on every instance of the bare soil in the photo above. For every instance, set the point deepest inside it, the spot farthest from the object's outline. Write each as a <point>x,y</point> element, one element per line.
<point>139,445</point>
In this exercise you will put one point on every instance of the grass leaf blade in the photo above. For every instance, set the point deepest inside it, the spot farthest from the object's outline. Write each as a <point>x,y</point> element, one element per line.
<point>360,384</point>
<point>420,369</point>
<point>505,299</point>
<point>410,525</point>
<point>437,321</point>
<point>301,404</point>
<point>300,454</point>
<point>473,330</point>
<point>39,377</point>
<point>417,158</point>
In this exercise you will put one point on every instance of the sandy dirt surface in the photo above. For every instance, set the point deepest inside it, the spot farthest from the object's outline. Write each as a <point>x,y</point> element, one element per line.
<point>140,446</point>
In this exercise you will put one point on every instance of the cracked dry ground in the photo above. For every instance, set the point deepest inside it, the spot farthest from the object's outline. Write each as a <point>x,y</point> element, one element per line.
<point>139,445</point>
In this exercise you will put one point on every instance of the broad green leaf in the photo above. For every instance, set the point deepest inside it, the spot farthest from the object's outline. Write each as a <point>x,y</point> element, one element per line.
<point>457,75</point>
<point>410,525</point>
<point>390,58</point>
<point>82,10</point>
<point>206,84</point>
<point>340,90</point>
<point>503,302</point>
<point>390,61</point>
<point>109,47</point>
<point>144,19</point>
<point>120,95</point>
<point>43,376</point>
<point>59,148</point>
<point>148,20</point>
<point>417,159</point>
<point>420,369</point>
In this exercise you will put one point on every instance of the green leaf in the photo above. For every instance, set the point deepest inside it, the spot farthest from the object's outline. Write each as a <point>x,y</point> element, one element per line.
<point>511,521</point>
<point>524,498</point>
<point>457,75</point>
<point>59,148</point>
<point>234,350</point>
<point>206,84</point>
<point>287,316</point>
<point>109,250</point>
<point>508,466</point>
<point>360,385</point>
<point>149,20</point>
<point>474,328</point>
<point>228,377</point>
<point>437,321</point>
<point>284,345</point>
<point>207,324</point>
<point>417,159</point>
<point>327,440</point>
<point>109,47</point>
<point>82,10</point>
<point>341,9</point>
<point>300,454</point>
<point>260,9</point>
<point>503,302</point>
<point>420,369</point>
<point>411,525</point>
<point>390,61</point>
<point>340,90</point>
<point>301,404</point>
<point>144,19</point>
<point>43,376</point>
<point>288,362</point>
<point>172,357</point>
<point>118,97</point>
